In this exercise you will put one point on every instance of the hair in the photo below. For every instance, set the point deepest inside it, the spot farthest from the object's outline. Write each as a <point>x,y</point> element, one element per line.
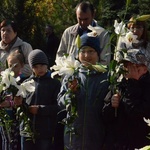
<point>6,22</point>
<point>84,6</point>
<point>16,54</point>
<point>143,24</point>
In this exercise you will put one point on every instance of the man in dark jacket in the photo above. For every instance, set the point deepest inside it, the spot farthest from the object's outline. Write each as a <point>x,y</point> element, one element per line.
<point>52,43</point>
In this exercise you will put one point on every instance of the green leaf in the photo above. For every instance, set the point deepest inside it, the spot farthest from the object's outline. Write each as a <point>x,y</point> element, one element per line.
<point>128,2</point>
<point>78,41</point>
<point>143,18</point>
<point>145,148</point>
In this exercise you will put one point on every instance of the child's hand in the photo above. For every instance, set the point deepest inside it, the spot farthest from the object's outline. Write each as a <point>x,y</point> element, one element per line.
<point>115,100</point>
<point>8,102</point>
<point>33,109</point>
<point>5,104</point>
<point>73,85</point>
<point>18,100</point>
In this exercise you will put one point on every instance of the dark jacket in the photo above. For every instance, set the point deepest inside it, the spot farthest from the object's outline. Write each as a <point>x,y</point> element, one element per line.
<point>128,130</point>
<point>90,99</point>
<point>45,95</point>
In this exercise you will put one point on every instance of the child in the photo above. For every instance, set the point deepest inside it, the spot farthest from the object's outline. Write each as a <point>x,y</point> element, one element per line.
<point>128,130</point>
<point>90,88</point>
<point>16,62</point>
<point>42,104</point>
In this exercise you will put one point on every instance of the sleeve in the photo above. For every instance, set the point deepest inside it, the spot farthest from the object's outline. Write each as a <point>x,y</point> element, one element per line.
<point>62,49</point>
<point>105,55</point>
<point>53,108</point>
<point>108,111</point>
<point>26,50</point>
<point>136,100</point>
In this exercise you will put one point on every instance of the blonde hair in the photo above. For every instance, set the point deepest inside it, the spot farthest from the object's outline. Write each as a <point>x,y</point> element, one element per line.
<point>16,54</point>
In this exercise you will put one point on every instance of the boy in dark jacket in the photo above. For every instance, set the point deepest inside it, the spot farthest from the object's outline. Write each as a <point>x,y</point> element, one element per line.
<point>89,88</point>
<point>127,130</point>
<point>42,104</point>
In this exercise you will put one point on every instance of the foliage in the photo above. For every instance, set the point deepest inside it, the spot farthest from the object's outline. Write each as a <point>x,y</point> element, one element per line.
<point>33,15</point>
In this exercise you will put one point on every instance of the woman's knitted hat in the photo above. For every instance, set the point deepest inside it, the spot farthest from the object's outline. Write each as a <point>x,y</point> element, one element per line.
<point>93,42</point>
<point>37,56</point>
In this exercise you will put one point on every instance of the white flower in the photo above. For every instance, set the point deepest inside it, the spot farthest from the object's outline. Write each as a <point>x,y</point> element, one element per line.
<point>59,64</point>
<point>95,31</point>
<point>70,64</point>
<point>130,38</point>
<point>26,87</point>
<point>120,28</point>
<point>8,78</point>
<point>147,121</point>
<point>65,66</point>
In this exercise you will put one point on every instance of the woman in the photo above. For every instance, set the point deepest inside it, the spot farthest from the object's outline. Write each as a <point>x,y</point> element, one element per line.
<point>11,42</point>
<point>127,130</point>
<point>138,28</point>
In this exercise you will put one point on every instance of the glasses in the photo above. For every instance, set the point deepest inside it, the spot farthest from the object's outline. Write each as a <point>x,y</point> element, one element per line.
<point>90,52</point>
<point>136,29</point>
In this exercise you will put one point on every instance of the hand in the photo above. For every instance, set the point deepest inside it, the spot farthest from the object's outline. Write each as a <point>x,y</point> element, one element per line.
<point>33,109</point>
<point>18,100</point>
<point>7,101</point>
<point>73,85</point>
<point>135,71</point>
<point>115,100</point>
<point>5,104</point>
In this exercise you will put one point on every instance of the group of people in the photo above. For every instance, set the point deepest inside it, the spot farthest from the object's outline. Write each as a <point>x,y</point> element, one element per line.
<point>97,126</point>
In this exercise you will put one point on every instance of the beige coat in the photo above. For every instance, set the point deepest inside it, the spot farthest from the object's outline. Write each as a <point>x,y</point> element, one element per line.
<point>25,49</point>
<point>68,46</point>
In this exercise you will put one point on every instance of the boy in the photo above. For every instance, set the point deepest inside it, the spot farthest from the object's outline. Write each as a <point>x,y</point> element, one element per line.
<point>42,103</point>
<point>89,88</point>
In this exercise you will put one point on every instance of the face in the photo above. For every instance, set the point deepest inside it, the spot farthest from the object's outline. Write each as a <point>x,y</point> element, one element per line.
<point>39,69</point>
<point>7,34</point>
<point>137,30</point>
<point>48,31</point>
<point>135,71</point>
<point>84,18</point>
<point>88,55</point>
<point>15,64</point>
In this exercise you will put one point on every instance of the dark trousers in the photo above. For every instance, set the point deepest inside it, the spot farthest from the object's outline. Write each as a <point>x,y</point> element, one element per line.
<point>40,144</point>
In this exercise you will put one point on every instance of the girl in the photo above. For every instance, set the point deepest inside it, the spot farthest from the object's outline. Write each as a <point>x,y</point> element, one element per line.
<point>12,142</point>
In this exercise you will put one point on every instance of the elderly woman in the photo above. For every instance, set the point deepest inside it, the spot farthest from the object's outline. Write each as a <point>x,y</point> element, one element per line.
<point>11,42</point>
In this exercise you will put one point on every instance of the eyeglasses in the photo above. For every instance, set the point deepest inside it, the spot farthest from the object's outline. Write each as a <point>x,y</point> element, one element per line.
<point>136,29</point>
<point>90,52</point>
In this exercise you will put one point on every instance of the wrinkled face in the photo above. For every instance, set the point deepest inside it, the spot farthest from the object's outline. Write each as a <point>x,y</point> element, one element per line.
<point>39,69</point>
<point>88,55</point>
<point>7,34</point>
<point>15,63</point>
<point>84,18</point>
<point>137,30</point>
<point>131,67</point>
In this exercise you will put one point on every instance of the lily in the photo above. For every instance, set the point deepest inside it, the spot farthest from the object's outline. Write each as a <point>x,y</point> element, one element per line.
<point>147,121</point>
<point>66,66</point>
<point>95,31</point>
<point>26,87</point>
<point>8,78</point>
<point>120,28</point>
<point>130,38</point>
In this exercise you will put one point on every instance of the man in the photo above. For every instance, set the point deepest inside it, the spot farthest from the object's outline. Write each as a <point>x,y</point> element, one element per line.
<point>85,13</point>
<point>52,43</point>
